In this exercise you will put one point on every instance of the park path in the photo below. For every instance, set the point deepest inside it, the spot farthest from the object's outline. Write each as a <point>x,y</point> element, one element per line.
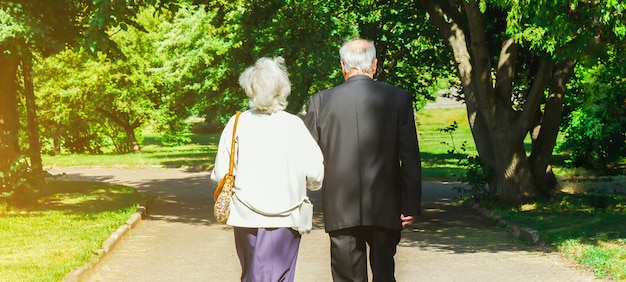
<point>180,240</point>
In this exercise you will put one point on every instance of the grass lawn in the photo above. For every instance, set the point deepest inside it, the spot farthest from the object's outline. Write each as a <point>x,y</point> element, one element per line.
<point>438,164</point>
<point>199,153</point>
<point>61,228</point>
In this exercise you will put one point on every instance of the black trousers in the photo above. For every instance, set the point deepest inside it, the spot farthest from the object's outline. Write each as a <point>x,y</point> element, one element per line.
<point>348,250</point>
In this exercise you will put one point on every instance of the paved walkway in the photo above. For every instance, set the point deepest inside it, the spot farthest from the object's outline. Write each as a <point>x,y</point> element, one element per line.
<point>180,240</point>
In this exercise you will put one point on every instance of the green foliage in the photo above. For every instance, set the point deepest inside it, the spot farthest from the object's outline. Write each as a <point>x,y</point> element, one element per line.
<point>504,84</point>
<point>34,24</point>
<point>108,100</point>
<point>185,62</point>
<point>66,113</point>
<point>172,140</point>
<point>477,177</point>
<point>17,182</point>
<point>605,256</point>
<point>79,109</point>
<point>410,54</point>
<point>437,162</point>
<point>48,29</point>
<point>36,27</point>
<point>595,128</point>
<point>450,129</point>
<point>564,28</point>
<point>206,127</point>
<point>191,51</point>
<point>308,35</point>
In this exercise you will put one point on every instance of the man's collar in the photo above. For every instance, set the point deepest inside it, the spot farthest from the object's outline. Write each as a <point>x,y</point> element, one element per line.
<point>358,77</point>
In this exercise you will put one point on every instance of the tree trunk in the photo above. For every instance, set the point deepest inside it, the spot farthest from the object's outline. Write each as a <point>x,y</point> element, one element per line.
<point>56,142</point>
<point>132,139</point>
<point>34,149</point>
<point>128,126</point>
<point>545,134</point>
<point>454,36</point>
<point>512,179</point>
<point>498,129</point>
<point>9,118</point>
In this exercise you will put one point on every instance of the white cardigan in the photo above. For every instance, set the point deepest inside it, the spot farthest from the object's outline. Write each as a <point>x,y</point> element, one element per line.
<point>276,160</point>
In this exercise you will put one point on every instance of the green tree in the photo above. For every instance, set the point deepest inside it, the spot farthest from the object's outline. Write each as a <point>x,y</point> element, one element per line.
<point>308,35</point>
<point>88,100</point>
<point>595,129</point>
<point>28,27</point>
<point>68,119</point>
<point>192,52</point>
<point>514,61</point>
<point>164,69</point>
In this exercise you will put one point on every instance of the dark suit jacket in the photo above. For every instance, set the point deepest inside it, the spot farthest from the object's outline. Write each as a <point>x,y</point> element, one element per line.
<point>366,130</point>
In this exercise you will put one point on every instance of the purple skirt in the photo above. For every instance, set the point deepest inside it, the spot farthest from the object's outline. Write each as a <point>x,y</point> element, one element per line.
<point>267,254</point>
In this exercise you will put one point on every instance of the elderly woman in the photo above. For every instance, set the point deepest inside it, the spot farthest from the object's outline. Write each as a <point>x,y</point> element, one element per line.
<point>276,161</point>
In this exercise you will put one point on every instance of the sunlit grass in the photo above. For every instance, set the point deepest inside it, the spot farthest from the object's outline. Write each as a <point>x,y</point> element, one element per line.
<point>441,151</point>
<point>61,228</point>
<point>434,141</point>
<point>588,228</point>
<point>437,161</point>
<point>607,258</point>
<point>199,153</point>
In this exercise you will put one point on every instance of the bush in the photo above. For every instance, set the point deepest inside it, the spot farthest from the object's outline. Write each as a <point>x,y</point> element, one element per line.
<point>477,177</point>
<point>207,127</point>
<point>17,182</point>
<point>595,128</point>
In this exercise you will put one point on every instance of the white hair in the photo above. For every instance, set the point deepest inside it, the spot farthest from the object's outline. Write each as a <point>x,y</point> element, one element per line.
<point>267,85</point>
<point>358,54</point>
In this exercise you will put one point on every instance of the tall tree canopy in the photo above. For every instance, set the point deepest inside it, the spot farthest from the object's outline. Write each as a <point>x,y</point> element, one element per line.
<point>512,59</point>
<point>308,35</point>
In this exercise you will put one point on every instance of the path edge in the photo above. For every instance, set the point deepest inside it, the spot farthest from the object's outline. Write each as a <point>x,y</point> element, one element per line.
<point>108,245</point>
<point>524,234</point>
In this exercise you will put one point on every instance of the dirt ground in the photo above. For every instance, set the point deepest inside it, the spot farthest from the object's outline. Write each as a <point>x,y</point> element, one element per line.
<point>180,240</point>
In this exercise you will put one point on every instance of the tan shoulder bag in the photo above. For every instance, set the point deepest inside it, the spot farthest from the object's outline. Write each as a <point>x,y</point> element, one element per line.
<point>224,191</point>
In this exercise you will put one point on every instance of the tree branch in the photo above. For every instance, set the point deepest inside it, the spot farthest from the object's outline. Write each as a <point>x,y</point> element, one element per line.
<point>535,95</point>
<point>481,62</point>
<point>506,70</point>
<point>448,22</point>
<point>543,144</point>
<point>114,117</point>
<point>454,36</point>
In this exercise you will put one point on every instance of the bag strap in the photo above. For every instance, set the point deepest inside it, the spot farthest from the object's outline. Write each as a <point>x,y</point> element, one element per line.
<point>304,200</point>
<point>232,146</point>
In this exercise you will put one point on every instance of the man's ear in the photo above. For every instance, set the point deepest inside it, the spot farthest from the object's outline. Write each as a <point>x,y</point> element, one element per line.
<point>374,63</point>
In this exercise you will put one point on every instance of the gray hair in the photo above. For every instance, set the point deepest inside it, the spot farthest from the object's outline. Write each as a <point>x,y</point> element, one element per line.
<point>267,85</point>
<point>358,54</point>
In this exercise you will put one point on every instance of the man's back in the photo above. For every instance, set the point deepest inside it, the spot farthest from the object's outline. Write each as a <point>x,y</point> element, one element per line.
<point>365,130</point>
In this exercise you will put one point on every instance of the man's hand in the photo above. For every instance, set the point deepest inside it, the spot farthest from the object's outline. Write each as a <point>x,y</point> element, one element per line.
<point>406,220</point>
